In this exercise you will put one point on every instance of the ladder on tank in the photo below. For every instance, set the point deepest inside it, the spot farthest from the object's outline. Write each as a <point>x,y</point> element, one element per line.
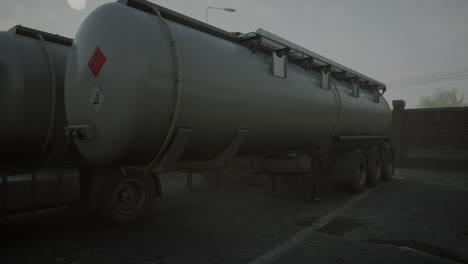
<point>267,42</point>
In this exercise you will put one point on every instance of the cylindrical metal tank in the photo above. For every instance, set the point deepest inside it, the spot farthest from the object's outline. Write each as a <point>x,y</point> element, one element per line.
<point>121,78</point>
<point>31,92</point>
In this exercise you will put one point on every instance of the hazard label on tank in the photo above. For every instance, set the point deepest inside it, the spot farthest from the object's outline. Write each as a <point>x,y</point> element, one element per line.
<point>96,99</point>
<point>96,61</point>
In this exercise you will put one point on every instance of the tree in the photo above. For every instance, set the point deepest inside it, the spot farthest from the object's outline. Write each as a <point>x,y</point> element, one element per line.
<point>442,98</point>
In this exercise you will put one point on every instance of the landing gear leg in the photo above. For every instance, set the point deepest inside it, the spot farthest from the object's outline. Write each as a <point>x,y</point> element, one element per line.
<point>274,184</point>
<point>189,183</point>
<point>219,179</point>
<point>315,178</point>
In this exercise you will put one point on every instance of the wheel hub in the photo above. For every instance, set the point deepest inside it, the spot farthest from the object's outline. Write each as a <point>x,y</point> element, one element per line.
<point>129,196</point>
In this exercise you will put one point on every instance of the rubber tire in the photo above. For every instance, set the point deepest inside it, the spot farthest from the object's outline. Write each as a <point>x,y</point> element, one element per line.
<point>106,208</point>
<point>359,180</point>
<point>388,163</point>
<point>350,169</point>
<point>374,167</point>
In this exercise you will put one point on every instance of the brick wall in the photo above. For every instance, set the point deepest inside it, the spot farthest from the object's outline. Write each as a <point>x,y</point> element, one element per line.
<point>430,138</point>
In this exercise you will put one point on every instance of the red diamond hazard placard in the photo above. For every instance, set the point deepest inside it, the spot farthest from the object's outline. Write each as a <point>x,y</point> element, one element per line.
<point>96,61</point>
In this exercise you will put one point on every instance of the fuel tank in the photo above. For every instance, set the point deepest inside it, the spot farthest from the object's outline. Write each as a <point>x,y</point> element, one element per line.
<point>32,70</point>
<point>45,188</point>
<point>129,73</point>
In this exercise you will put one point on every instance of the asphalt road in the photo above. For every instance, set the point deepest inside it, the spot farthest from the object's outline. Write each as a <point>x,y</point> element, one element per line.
<point>421,216</point>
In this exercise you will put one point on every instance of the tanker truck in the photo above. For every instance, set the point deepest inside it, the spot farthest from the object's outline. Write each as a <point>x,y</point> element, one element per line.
<point>147,90</point>
<point>38,168</point>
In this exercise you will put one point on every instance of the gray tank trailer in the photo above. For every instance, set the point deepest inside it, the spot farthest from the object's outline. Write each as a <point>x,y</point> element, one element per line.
<point>148,90</point>
<point>37,166</point>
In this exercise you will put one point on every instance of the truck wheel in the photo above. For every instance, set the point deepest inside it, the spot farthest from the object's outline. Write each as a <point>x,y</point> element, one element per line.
<point>359,174</point>
<point>387,163</point>
<point>350,168</point>
<point>374,167</point>
<point>126,197</point>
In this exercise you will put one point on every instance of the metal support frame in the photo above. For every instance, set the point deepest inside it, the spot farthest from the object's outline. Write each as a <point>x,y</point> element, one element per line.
<point>254,47</point>
<point>305,59</point>
<point>285,50</point>
<point>178,87</point>
<point>222,160</point>
<point>219,163</point>
<point>352,79</point>
<point>170,161</point>
<point>171,157</point>
<point>296,170</point>
<point>339,75</point>
<point>325,68</point>
<point>50,138</point>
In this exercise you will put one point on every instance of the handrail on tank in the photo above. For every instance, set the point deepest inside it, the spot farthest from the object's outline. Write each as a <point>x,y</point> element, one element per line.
<point>34,33</point>
<point>269,42</point>
<point>179,18</point>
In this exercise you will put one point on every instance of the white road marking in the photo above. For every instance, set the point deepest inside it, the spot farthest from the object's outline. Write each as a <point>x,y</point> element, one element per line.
<point>425,254</point>
<point>446,184</point>
<point>304,233</point>
<point>433,182</point>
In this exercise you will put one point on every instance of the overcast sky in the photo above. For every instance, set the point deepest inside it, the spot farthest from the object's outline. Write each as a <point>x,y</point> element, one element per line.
<point>396,42</point>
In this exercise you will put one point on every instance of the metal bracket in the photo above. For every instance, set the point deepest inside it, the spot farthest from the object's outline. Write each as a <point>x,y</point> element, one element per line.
<point>305,59</point>
<point>356,88</point>
<point>339,75</point>
<point>171,159</point>
<point>80,132</point>
<point>326,80</point>
<point>283,50</point>
<point>172,156</point>
<point>223,159</point>
<point>280,65</point>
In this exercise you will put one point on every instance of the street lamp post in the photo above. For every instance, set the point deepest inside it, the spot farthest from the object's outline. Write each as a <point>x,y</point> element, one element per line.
<point>224,9</point>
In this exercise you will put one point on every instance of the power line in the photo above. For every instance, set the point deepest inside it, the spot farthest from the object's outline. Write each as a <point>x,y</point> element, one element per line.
<point>433,77</point>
